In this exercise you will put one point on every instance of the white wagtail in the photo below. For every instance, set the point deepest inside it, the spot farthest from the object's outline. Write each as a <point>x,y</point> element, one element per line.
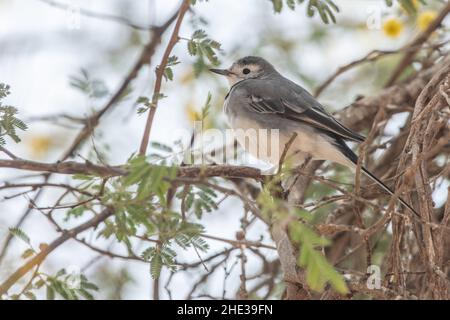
<point>261,98</point>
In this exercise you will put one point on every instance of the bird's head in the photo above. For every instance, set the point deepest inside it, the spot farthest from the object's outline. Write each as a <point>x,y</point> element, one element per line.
<point>247,68</point>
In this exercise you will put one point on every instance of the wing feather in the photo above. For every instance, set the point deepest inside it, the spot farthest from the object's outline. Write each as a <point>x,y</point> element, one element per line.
<point>294,103</point>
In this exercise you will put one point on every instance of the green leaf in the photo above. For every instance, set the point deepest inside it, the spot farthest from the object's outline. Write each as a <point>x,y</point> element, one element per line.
<point>172,61</point>
<point>209,52</point>
<point>325,8</point>
<point>39,284</point>
<point>60,273</point>
<point>88,285</point>
<point>409,6</point>
<point>75,212</point>
<point>50,293</point>
<point>332,5</point>
<point>162,147</point>
<point>148,253</point>
<point>4,90</point>
<point>203,47</point>
<point>156,265</point>
<point>189,201</point>
<point>214,44</point>
<point>30,295</point>
<point>9,123</point>
<point>199,243</point>
<point>84,293</point>
<point>158,97</point>
<point>143,100</point>
<point>207,106</point>
<point>19,233</point>
<point>323,15</point>
<point>199,35</point>
<point>142,110</point>
<point>290,4</point>
<point>192,48</point>
<point>168,73</point>
<point>278,5</point>
<point>28,253</point>
<point>318,270</point>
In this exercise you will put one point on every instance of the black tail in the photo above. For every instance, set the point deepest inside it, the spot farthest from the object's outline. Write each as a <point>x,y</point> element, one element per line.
<point>388,190</point>
<point>349,154</point>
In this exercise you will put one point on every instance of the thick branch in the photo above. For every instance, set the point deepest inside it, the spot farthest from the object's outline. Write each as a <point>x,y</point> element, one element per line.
<point>73,167</point>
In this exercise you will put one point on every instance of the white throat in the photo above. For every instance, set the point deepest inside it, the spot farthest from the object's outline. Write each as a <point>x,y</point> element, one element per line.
<point>232,80</point>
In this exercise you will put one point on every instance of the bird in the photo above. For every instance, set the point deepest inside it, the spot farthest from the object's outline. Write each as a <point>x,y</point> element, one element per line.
<point>261,98</point>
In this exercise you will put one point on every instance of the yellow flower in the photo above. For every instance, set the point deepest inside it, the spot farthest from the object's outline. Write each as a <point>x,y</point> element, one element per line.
<point>39,145</point>
<point>392,27</point>
<point>425,18</point>
<point>191,113</point>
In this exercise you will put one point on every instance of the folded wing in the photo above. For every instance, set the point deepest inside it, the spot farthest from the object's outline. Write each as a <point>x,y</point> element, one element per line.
<point>295,103</point>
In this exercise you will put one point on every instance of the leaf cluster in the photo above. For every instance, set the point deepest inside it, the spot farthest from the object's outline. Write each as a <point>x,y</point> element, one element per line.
<point>203,47</point>
<point>325,8</point>
<point>9,123</point>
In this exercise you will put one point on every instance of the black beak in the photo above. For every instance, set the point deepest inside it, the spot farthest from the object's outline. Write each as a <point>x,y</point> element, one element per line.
<point>223,72</point>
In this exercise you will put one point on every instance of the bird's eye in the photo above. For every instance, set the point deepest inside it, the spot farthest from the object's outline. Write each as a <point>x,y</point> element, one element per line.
<point>246,71</point>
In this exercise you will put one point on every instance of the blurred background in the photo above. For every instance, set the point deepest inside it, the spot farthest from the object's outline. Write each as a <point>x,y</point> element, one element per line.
<point>49,48</point>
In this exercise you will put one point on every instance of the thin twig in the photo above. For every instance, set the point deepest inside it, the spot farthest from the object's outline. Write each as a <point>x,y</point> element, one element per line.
<point>97,15</point>
<point>39,258</point>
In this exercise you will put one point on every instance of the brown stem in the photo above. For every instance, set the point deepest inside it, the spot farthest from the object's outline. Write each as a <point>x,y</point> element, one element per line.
<point>144,58</point>
<point>159,76</point>
<point>73,167</point>
<point>39,258</point>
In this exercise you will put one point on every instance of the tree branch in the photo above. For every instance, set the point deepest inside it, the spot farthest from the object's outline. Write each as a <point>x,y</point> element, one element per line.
<point>39,258</point>
<point>159,75</point>
<point>98,15</point>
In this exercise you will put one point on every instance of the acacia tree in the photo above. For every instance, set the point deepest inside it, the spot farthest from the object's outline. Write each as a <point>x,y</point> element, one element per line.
<point>330,230</point>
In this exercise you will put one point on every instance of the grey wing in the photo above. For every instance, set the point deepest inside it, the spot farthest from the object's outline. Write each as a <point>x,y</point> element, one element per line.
<point>288,100</point>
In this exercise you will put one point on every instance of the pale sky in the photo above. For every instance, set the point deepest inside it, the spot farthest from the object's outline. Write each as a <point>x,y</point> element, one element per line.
<point>39,51</point>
